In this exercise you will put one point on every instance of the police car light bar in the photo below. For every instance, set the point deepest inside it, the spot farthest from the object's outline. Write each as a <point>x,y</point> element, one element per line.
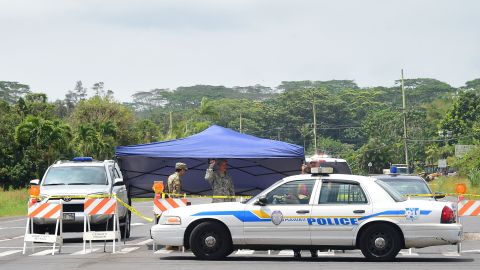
<point>322,170</point>
<point>82,159</point>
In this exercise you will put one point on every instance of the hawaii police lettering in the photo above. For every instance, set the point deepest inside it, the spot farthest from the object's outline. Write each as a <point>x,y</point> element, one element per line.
<point>332,221</point>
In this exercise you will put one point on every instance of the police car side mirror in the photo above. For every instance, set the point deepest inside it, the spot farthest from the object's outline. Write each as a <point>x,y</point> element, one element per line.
<point>261,201</point>
<point>439,195</point>
<point>118,182</point>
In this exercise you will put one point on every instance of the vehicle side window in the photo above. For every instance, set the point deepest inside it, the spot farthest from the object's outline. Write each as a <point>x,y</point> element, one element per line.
<point>294,192</point>
<point>341,193</point>
<point>117,173</point>
<point>112,172</point>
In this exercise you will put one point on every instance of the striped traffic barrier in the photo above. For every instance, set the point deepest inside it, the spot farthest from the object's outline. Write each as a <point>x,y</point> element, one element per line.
<point>162,205</point>
<point>44,210</point>
<point>468,208</point>
<point>100,206</point>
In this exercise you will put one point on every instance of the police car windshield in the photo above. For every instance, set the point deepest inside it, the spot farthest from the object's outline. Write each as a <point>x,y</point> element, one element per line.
<point>73,175</point>
<point>391,191</point>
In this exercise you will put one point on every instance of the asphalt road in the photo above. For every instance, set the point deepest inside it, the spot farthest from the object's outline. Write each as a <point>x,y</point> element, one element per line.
<point>138,252</point>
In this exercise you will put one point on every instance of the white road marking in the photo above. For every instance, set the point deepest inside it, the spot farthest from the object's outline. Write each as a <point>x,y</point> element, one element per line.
<point>14,220</point>
<point>127,250</point>
<point>44,252</point>
<point>245,252</point>
<point>146,242</point>
<point>326,253</point>
<point>163,251</point>
<point>408,252</point>
<point>471,251</point>
<point>87,251</point>
<point>138,224</point>
<point>13,238</point>
<point>286,252</point>
<point>9,252</point>
<point>451,254</point>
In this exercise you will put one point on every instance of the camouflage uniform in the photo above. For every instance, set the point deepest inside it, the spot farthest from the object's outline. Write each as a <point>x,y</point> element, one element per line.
<point>221,185</point>
<point>174,183</point>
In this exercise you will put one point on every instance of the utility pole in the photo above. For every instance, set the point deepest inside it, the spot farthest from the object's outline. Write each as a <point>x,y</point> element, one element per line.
<point>405,127</point>
<point>314,126</point>
<point>171,126</point>
<point>278,133</point>
<point>240,122</point>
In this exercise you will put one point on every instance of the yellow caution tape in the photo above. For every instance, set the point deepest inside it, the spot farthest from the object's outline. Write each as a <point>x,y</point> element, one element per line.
<point>129,207</point>
<point>177,195</point>
<point>133,210</point>
<point>446,194</point>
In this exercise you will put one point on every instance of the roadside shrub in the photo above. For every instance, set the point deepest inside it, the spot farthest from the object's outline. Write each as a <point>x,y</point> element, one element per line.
<point>474,177</point>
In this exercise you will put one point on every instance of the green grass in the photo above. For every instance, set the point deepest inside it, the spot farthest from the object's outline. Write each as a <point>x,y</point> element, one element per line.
<point>13,202</point>
<point>142,200</point>
<point>448,184</point>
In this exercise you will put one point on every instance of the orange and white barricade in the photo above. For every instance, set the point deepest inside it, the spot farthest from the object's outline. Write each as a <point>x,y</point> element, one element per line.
<point>100,206</point>
<point>468,208</point>
<point>164,204</point>
<point>161,205</point>
<point>46,210</point>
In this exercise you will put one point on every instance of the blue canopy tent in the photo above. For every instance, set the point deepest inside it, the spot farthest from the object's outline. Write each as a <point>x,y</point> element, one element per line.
<point>253,163</point>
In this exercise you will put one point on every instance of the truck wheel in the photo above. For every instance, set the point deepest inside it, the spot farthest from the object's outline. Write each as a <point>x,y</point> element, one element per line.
<point>210,241</point>
<point>126,226</point>
<point>380,242</point>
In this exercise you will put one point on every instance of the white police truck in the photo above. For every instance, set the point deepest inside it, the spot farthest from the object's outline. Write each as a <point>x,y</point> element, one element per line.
<point>313,211</point>
<point>67,181</point>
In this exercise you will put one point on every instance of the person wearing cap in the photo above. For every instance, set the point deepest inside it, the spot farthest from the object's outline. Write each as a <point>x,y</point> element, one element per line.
<point>302,195</point>
<point>220,181</point>
<point>174,183</point>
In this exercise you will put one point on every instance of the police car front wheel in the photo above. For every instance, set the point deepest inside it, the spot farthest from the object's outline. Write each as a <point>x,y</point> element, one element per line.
<point>210,241</point>
<point>380,242</point>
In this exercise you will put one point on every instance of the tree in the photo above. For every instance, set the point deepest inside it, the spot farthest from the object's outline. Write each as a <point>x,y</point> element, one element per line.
<point>42,141</point>
<point>72,98</point>
<point>463,118</point>
<point>147,131</point>
<point>98,89</point>
<point>85,140</point>
<point>473,84</point>
<point>12,91</point>
<point>113,124</point>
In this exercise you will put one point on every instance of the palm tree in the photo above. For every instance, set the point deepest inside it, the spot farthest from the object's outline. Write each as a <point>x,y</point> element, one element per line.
<point>207,108</point>
<point>56,137</point>
<point>85,140</point>
<point>29,132</point>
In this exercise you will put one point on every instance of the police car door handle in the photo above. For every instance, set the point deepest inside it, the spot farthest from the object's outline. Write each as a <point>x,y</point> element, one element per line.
<point>358,211</point>
<point>303,212</point>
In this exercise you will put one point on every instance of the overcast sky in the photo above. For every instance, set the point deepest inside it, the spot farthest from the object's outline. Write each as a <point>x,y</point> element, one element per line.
<point>141,45</point>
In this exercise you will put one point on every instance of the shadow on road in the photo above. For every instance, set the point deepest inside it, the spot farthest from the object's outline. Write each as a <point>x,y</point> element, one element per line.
<point>320,259</point>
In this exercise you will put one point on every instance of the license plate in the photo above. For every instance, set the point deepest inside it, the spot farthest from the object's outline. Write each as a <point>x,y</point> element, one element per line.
<point>68,216</point>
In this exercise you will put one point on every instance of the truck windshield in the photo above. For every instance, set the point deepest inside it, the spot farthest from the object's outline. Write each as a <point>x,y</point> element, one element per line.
<point>75,176</point>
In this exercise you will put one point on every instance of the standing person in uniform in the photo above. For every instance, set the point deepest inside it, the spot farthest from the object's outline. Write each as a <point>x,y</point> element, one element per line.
<point>220,181</point>
<point>175,180</point>
<point>297,252</point>
<point>174,186</point>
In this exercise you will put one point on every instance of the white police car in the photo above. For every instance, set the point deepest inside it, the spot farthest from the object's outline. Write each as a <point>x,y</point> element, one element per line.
<point>313,211</point>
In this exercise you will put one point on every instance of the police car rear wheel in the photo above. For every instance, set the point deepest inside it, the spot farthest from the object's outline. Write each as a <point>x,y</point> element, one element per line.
<point>380,242</point>
<point>210,241</point>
